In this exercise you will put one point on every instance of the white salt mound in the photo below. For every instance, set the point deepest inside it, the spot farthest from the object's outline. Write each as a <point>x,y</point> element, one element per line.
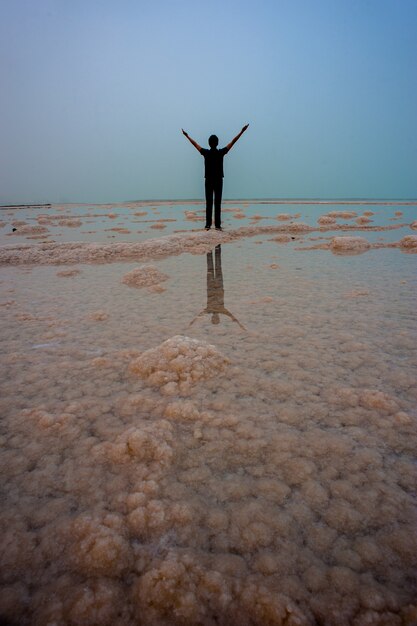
<point>144,276</point>
<point>178,363</point>
<point>349,245</point>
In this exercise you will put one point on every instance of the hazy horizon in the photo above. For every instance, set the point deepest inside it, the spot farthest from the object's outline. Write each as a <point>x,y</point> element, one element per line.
<point>97,94</point>
<point>282,200</point>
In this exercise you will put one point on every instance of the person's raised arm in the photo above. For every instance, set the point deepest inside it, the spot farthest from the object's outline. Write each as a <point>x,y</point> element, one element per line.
<point>195,144</point>
<point>232,143</point>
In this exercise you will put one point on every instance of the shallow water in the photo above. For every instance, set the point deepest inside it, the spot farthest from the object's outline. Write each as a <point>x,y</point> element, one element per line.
<point>137,221</point>
<point>268,479</point>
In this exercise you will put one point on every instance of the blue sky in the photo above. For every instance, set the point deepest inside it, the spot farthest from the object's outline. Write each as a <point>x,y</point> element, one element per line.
<point>95,92</point>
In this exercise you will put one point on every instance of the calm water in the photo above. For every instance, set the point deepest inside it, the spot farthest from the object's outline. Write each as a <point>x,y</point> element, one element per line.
<point>268,479</point>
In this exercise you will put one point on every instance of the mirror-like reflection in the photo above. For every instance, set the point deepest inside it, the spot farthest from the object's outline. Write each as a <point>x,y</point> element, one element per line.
<point>215,290</point>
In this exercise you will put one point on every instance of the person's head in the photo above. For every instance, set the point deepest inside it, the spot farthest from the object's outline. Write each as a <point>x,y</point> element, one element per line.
<point>215,318</point>
<point>213,141</point>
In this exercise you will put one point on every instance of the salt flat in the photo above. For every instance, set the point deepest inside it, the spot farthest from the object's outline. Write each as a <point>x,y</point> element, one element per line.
<point>208,428</point>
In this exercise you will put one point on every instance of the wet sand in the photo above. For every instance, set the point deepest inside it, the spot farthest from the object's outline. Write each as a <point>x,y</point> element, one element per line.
<point>221,437</point>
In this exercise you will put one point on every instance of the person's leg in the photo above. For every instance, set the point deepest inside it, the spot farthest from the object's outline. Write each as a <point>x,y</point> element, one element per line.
<point>218,188</point>
<point>209,202</point>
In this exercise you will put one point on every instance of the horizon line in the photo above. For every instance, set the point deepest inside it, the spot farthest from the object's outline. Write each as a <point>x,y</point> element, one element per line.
<point>277,200</point>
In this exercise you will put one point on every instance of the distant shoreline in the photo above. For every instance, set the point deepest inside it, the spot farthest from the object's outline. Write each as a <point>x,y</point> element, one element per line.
<point>383,202</point>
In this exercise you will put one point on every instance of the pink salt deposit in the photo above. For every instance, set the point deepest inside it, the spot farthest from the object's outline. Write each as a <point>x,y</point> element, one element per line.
<point>355,245</point>
<point>30,230</point>
<point>409,243</point>
<point>175,244</point>
<point>178,363</point>
<point>68,273</point>
<point>99,316</point>
<point>326,219</point>
<point>71,223</point>
<point>144,276</point>
<point>347,215</point>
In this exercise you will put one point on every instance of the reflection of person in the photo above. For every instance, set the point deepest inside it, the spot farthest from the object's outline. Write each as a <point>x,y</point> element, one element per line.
<point>213,160</point>
<point>215,290</point>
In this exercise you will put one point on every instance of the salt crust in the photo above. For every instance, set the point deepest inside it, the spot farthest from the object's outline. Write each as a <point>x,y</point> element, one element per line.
<point>178,363</point>
<point>206,511</point>
<point>347,215</point>
<point>30,230</point>
<point>409,242</point>
<point>68,273</point>
<point>349,244</point>
<point>326,219</point>
<point>144,276</point>
<point>175,244</point>
<point>358,245</point>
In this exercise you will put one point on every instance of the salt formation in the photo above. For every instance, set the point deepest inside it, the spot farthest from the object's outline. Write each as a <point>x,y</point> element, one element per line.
<point>30,230</point>
<point>144,276</point>
<point>71,223</point>
<point>347,215</point>
<point>175,244</point>
<point>349,245</point>
<point>179,363</point>
<point>68,273</point>
<point>99,316</point>
<point>326,219</point>
<point>281,238</point>
<point>413,225</point>
<point>409,243</point>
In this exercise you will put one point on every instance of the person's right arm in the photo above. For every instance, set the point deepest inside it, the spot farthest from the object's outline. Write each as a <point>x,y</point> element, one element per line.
<point>195,144</point>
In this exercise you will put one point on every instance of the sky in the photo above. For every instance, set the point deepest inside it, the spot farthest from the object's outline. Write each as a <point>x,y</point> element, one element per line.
<point>94,94</point>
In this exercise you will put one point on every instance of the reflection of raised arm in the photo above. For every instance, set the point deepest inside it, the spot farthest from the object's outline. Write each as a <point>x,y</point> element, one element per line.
<point>195,144</point>
<point>197,316</point>
<point>232,143</point>
<point>226,312</point>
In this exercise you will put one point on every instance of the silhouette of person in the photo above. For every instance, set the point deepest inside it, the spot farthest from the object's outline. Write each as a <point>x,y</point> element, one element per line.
<point>213,160</point>
<point>215,290</point>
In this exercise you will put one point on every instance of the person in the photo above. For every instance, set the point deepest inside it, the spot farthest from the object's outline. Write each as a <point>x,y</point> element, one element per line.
<point>215,291</point>
<point>213,160</point>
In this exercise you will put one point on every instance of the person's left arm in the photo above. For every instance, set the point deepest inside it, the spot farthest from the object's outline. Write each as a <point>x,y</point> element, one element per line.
<point>238,136</point>
<point>233,318</point>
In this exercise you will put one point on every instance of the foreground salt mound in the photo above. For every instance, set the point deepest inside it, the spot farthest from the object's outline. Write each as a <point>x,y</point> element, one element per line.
<point>144,276</point>
<point>178,363</point>
<point>349,245</point>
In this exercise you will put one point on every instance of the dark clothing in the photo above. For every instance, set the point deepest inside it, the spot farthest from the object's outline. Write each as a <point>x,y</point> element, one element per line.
<point>213,160</point>
<point>213,185</point>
